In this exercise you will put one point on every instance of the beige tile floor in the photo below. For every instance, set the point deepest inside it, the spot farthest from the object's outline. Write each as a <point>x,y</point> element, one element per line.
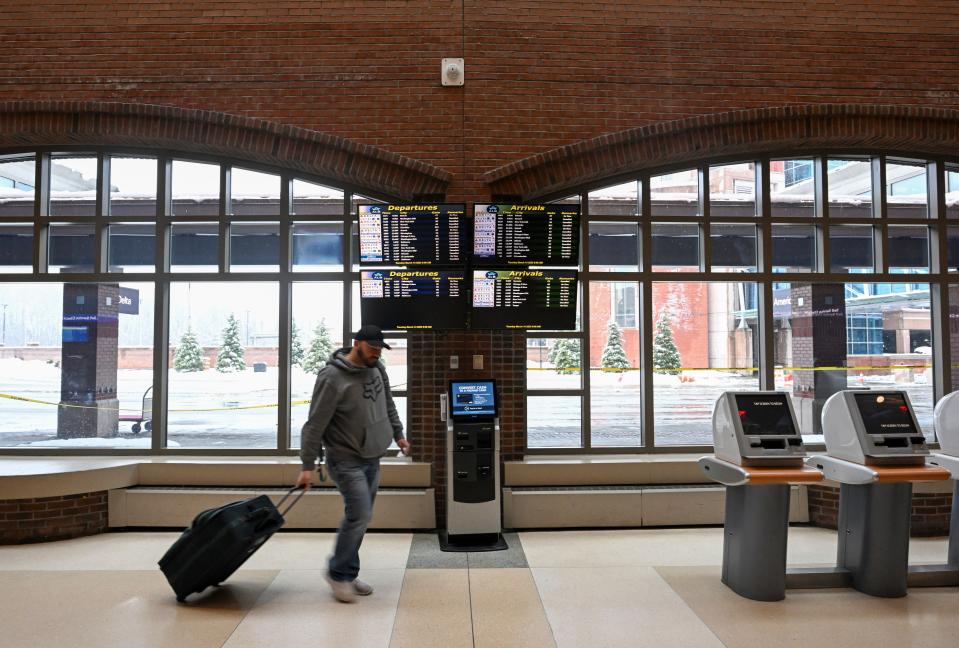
<point>643,587</point>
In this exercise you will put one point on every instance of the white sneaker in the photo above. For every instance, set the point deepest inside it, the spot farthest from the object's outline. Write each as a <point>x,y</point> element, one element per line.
<point>362,588</point>
<point>343,591</point>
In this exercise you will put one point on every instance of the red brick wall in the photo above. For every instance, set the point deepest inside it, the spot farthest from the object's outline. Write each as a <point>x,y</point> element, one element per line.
<point>52,518</point>
<point>538,74</point>
<point>931,512</point>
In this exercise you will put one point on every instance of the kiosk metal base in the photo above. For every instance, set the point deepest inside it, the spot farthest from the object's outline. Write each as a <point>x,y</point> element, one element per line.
<point>754,542</point>
<point>472,542</point>
<point>874,536</point>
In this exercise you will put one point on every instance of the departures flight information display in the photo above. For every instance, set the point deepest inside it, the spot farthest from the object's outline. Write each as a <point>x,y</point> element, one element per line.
<point>413,299</point>
<point>526,235</point>
<point>524,299</point>
<point>406,235</point>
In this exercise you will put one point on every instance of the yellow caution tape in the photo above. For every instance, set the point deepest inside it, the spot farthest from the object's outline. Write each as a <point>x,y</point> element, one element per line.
<point>136,411</point>
<point>750,369</point>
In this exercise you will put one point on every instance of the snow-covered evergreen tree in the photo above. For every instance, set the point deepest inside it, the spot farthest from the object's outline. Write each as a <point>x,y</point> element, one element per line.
<point>614,355</point>
<point>565,357</point>
<point>230,357</point>
<point>297,354</point>
<point>320,349</point>
<point>665,354</point>
<point>189,355</point>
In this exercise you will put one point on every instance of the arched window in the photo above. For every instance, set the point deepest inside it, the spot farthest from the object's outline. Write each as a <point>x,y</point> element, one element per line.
<point>155,301</point>
<point>806,273</point>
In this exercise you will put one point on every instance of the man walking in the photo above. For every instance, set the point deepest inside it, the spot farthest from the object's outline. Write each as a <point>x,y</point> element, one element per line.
<point>353,417</point>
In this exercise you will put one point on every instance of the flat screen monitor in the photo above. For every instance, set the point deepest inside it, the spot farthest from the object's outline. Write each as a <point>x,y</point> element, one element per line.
<point>885,413</point>
<point>765,415</point>
<point>413,235</point>
<point>525,235</point>
<point>470,398</point>
<point>413,299</point>
<point>524,299</point>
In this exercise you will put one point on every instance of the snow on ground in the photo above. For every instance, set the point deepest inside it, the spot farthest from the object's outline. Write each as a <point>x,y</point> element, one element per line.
<point>207,409</point>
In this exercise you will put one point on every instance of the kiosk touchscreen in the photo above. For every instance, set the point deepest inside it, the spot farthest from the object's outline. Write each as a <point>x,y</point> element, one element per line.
<point>873,428</point>
<point>757,429</point>
<point>472,399</point>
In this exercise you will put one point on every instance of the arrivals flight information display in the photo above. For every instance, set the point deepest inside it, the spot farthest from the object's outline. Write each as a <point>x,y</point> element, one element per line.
<point>405,235</point>
<point>526,235</point>
<point>413,299</point>
<point>524,299</point>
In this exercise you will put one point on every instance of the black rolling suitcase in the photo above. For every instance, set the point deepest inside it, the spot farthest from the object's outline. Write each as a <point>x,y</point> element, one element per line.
<point>220,540</point>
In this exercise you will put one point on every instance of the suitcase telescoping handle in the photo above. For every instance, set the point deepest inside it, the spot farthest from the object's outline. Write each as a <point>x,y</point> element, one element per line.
<point>295,500</point>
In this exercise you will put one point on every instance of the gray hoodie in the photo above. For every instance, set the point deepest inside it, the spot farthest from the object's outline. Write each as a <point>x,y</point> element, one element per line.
<point>352,413</point>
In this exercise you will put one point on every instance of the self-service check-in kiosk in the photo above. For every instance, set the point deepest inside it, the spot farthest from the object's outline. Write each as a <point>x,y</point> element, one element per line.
<point>875,451</point>
<point>759,455</point>
<point>473,518</point>
<point>946,418</point>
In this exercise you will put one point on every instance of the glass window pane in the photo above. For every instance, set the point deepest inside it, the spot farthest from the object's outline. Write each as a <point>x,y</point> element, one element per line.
<point>614,364</point>
<point>194,247</point>
<point>620,200</point>
<point>675,194</point>
<point>733,248</point>
<point>794,248</point>
<point>317,331</point>
<point>554,422</point>
<point>71,248</point>
<point>133,186</point>
<point>732,190</point>
<point>953,249</point>
<point>553,363</point>
<point>223,368</point>
<point>195,188</point>
<point>16,247</point>
<point>850,188</point>
<point>73,185</point>
<point>17,177</point>
<point>792,188</point>
<point>851,248</point>
<point>906,191</point>
<point>705,342</point>
<point>83,353</point>
<point>675,247</point>
<point>132,247</point>
<point>952,193</point>
<point>613,247</point>
<point>954,331</point>
<point>253,193</point>
<point>909,249</point>
<point>876,343</point>
<point>316,200</point>
<point>317,247</point>
<point>255,247</point>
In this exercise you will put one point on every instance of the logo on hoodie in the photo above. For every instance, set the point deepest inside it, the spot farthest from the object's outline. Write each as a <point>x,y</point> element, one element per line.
<point>373,388</point>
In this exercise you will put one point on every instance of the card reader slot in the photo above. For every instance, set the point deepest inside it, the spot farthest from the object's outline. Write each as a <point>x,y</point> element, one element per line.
<point>896,442</point>
<point>768,443</point>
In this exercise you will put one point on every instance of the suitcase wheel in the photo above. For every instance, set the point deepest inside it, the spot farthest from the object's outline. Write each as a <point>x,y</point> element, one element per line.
<point>181,599</point>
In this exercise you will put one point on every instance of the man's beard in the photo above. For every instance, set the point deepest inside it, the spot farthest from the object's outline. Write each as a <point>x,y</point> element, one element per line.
<point>365,359</point>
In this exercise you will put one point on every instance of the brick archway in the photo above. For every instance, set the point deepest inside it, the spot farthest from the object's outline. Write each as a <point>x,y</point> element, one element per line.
<point>793,129</point>
<point>335,160</point>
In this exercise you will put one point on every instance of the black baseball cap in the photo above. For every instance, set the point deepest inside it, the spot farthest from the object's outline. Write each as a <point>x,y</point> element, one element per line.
<point>372,335</point>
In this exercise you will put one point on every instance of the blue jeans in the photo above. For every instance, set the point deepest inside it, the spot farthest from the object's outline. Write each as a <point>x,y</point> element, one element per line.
<point>357,481</point>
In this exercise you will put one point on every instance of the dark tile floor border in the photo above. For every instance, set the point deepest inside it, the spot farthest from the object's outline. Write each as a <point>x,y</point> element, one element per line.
<point>425,553</point>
